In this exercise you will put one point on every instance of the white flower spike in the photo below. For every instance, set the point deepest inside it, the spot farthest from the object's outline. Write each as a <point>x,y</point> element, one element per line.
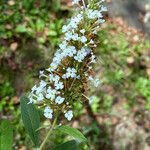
<point>65,80</point>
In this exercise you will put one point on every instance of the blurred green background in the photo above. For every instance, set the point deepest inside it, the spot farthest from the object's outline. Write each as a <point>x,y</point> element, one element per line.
<point>30,31</point>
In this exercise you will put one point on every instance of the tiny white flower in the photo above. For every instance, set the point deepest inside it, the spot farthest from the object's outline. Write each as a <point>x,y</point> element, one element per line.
<point>94,14</point>
<point>73,24</point>
<point>33,88</point>
<point>41,72</point>
<point>75,37</point>
<point>82,31</point>
<point>68,36</point>
<point>39,90</point>
<point>91,41</point>
<point>57,58</point>
<point>48,112</point>
<point>74,21</point>
<point>64,28</point>
<point>40,97</point>
<point>42,84</point>
<point>52,67</point>
<point>59,100</point>
<point>69,115</point>
<point>63,45</point>
<point>31,99</point>
<point>50,93</point>
<point>83,39</point>
<point>59,85</point>
<point>71,72</point>
<point>81,54</point>
<point>54,78</point>
<point>93,59</point>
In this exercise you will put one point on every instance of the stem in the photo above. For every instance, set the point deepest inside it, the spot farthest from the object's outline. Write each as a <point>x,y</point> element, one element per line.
<point>84,4</point>
<point>85,96</point>
<point>48,134</point>
<point>72,83</point>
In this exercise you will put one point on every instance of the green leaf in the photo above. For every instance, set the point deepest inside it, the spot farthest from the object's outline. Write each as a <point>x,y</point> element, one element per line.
<point>30,119</point>
<point>72,132</point>
<point>40,25</point>
<point>52,33</point>
<point>70,145</point>
<point>6,135</point>
<point>21,29</point>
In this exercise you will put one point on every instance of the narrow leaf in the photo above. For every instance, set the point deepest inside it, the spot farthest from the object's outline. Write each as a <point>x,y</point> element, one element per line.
<point>30,119</point>
<point>70,145</point>
<point>6,135</point>
<point>72,132</point>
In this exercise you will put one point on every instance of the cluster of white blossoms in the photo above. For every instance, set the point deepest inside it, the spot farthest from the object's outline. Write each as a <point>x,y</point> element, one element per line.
<point>70,72</point>
<point>71,65</point>
<point>81,54</point>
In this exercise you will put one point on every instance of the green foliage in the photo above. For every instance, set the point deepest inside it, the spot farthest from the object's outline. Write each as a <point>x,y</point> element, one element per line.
<point>6,89</point>
<point>124,79</point>
<point>6,135</point>
<point>70,145</point>
<point>2,49</point>
<point>143,87</point>
<point>72,132</point>
<point>76,144</point>
<point>22,16</point>
<point>27,34</point>
<point>30,119</point>
<point>79,107</point>
<point>21,29</point>
<point>95,104</point>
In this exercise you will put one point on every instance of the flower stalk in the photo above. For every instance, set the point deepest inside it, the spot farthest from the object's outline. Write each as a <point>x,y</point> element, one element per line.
<point>66,79</point>
<point>48,134</point>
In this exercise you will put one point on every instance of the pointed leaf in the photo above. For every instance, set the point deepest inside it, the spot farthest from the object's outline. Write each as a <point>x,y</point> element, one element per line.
<point>30,119</point>
<point>72,132</point>
<point>6,135</point>
<point>70,145</point>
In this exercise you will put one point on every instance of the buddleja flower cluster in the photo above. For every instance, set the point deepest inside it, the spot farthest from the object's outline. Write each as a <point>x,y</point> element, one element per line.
<point>66,79</point>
